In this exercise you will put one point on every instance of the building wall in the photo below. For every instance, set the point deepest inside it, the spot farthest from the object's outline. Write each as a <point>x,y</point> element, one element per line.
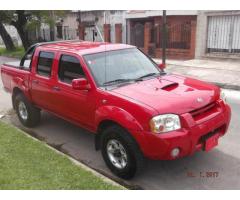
<point>100,18</point>
<point>202,33</point>
<point>131,14</point>
<point>181,35</point>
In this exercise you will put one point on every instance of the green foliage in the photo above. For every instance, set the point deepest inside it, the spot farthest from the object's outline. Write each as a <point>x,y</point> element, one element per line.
<point>29,164</point>
<point>18,52</point>
<point>6,16</point>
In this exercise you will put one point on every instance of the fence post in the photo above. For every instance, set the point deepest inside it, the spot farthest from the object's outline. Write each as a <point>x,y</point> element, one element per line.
<point>107,32</point>
<point>118,33</point>
<point>81,30</point>
<point>147,36</point>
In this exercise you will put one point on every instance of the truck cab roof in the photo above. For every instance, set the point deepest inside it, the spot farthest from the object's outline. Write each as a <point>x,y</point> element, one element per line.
<point>83,47</point>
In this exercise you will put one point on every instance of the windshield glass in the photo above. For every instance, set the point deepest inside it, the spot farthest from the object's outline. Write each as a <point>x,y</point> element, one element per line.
<point>121,65</point>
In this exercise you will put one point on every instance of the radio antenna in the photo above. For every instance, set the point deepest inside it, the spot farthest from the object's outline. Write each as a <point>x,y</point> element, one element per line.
<point>105,53</point>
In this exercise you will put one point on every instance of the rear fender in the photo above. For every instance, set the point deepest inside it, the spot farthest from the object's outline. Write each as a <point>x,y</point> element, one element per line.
<point>18,85</point>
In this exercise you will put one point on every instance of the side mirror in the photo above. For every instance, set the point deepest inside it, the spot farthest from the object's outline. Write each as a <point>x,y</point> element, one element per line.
<point>80,84</point>
<point>162,66</point>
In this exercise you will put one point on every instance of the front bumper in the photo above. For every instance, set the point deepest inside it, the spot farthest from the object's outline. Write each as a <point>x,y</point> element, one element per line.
<point>188,139</point>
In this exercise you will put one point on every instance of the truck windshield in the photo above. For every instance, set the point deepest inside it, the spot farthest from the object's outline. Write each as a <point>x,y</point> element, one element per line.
<point>125,65</point>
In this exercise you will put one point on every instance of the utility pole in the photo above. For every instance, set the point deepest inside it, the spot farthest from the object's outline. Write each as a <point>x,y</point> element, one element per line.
<point>52,25</point>
<point>80,27</point>
<point>164,38</point>
<point>79,18</point>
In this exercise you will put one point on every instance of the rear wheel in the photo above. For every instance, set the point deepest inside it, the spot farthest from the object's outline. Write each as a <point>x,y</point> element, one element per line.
<point>121,152</point>
<point>28,114</point>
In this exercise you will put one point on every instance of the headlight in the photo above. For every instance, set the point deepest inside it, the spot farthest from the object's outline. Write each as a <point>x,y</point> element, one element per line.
<point>165,123</point>
<point>223,96</point>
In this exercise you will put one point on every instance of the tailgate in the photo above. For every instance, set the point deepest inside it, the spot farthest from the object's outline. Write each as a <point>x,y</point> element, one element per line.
<point>11,74</point>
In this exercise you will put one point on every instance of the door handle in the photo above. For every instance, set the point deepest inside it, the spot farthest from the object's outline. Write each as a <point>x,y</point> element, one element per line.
<point>35,81</point>
<point>56,88</point>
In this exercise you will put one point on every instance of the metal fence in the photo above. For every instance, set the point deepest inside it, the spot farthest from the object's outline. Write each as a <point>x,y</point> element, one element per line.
<point>223,34</point>
<point>178,36</point>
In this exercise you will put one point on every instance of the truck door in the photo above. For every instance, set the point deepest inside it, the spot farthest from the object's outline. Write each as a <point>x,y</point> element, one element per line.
<point>42,83</point>
<point>76,105</point>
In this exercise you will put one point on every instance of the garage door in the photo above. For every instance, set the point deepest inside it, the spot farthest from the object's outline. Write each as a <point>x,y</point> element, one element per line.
<point>224,34</point>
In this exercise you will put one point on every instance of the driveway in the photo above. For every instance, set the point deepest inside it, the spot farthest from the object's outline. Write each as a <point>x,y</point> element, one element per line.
<point>218,169</point>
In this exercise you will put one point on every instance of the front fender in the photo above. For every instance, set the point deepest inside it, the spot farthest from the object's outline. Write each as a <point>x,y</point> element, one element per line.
<point>117,115</point>
<point>124,119</point>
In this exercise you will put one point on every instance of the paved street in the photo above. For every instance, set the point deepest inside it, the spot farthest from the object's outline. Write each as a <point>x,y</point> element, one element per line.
<point>223,161</point>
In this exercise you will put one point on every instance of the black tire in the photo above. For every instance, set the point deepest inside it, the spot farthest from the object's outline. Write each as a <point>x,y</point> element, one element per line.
<point>33,113</point>
<point>135,158</point>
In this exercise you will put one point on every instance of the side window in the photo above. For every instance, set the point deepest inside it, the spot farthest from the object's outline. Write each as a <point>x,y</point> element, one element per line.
<point>27,59</point>
<point>45,62</point>
<point>69,69</point>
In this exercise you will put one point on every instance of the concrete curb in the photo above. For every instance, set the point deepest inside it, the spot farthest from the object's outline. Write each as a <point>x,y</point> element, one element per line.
<point>76,162</point>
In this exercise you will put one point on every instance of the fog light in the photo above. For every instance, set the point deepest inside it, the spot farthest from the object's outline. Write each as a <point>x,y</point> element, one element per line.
<point>175,152</point>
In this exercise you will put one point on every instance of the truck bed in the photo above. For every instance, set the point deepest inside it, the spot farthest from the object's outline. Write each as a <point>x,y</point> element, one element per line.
<point>16,64</point>
<point>12,74</point>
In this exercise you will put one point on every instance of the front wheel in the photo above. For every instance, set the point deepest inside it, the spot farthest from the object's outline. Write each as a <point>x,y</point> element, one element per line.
<point>28,114</point>
<point>121,152</point>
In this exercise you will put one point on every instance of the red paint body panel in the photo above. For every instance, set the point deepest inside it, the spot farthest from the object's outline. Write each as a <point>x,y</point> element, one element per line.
<point>131,106</point>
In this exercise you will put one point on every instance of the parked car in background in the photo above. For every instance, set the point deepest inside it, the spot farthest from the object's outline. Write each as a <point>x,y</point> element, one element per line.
<point>115,91</point>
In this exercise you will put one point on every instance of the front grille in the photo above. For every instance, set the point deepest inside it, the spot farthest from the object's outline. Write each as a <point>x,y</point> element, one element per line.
<point>204,109</point>
<point>206,112</point>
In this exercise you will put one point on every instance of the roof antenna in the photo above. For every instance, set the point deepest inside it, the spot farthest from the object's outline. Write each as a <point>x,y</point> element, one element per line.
<point>105,56</point>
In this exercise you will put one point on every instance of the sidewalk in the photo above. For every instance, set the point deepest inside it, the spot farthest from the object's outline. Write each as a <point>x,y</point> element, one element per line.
<point>225,74</point>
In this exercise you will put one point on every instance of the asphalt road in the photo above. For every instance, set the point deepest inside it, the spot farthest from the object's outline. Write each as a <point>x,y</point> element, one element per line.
<point>218,169</point>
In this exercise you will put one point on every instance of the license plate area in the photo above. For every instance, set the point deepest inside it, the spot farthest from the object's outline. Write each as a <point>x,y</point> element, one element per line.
<point>210,140</point>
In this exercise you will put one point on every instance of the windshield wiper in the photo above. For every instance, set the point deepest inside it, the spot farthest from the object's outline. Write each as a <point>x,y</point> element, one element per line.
<point>120,80</point>
<point>144,76</point>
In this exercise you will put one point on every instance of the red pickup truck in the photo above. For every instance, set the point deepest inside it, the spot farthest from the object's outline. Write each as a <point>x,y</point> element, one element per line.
<point>115,91</point>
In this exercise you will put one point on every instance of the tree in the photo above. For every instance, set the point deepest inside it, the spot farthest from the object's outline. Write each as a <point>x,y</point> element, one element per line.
<point>25,20</point>
<point>19,21</point>
<point>49,17</point>
<point>4,34</point>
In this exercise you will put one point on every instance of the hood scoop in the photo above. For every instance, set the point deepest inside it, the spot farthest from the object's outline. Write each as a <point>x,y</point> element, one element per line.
<point>170,87</point>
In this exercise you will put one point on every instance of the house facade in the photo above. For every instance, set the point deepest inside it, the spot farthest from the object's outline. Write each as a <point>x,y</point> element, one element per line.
<point>95,25</point>
<point>145,31</point>
<point>218,34</point>
<point>190,33</point>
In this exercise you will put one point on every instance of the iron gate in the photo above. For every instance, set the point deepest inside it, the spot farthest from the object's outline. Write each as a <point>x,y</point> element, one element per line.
<point>137,35</point>
<point>223,34</point>
<point>178,35</point>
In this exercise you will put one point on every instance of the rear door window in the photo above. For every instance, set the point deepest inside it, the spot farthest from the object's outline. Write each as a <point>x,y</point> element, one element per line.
<point>45,62</point>
<point>69,69</point>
